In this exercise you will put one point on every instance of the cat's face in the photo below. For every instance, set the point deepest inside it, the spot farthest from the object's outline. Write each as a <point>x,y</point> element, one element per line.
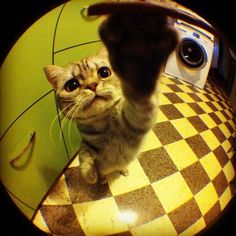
<point>87,90</point>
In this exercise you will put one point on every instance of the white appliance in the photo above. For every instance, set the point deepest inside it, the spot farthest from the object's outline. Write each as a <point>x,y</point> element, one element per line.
<point>191,61</point>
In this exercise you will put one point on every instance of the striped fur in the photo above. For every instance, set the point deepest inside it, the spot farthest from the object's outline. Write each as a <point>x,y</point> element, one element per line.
<point>113,128</point>
<point>113,115</point>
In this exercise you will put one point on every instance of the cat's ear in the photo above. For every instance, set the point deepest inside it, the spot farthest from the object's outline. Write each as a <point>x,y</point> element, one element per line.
<point>53,73</point>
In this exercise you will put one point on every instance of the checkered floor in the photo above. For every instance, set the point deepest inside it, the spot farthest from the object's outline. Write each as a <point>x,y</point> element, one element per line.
<point>178,185</point>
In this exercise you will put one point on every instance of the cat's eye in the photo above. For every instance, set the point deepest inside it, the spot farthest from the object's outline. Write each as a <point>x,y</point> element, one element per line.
<point>104,72</point>
<point>71,85</point>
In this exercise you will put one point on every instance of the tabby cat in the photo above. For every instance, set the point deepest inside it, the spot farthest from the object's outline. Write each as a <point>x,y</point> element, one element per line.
<point>112,96</point>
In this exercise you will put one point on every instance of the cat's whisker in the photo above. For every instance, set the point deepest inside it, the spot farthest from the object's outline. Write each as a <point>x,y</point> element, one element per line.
<point>65,118</point>
<point>73,116</point>
<point>70,125</point>
<point>68,117</point>
<point>52,125</point>
<point>63,122</point>
<point>57,117</point>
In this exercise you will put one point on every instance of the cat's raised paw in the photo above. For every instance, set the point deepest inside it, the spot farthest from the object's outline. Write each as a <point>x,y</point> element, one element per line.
<point>138,45</point>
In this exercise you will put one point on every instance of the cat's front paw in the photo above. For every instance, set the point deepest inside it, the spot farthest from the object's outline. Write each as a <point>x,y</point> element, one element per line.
<point>89,174</point>
<point>124,172</point>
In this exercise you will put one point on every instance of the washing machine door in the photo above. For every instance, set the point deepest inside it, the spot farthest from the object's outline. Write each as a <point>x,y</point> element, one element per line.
<point>192,54</point>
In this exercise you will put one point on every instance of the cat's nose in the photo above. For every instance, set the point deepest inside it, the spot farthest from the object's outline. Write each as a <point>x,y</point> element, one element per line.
<point>93,86</point>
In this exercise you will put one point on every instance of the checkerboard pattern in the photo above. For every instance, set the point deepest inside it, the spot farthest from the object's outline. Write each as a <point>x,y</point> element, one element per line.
<point>178,185</point>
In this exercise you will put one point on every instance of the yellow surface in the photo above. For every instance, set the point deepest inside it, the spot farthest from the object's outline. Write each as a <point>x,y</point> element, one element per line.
<point>184,127</point>
<point>196,227</point>
<point>206,198</point>
<point>136,179</point>
<point>209,122</point>
<point>211,165</point>
<point>102,218</point>
<point>161,227</point>
<point>150,142</point>
<point>172,191</point>
<point>181,154</point>
<point>208,135</point>
<point>225,198</point>
<point>185,109</point>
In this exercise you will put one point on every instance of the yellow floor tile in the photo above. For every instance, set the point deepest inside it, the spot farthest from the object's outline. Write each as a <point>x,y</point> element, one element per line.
<point>210,139</point>
<point>181,154</point>
<point>136,179</point>
<point>210,123</point>
<point>185,97</point>
<point>229,171</point>
<point>75,162</point>
<point>165,78</point>
<point>195,228</point>
<point>206,198</point>
<point>232,124</point>
<point>211,165</point>
<point>39,222</point>
<point>217,105</point>
<point>211,92</point>
<point>231,153</point>
<point>225,130</point>
<point>161,117</point>
<point>161,227</point>
<point>184,127</point>
<point>221,116</point>
<point>203,97</point>
<point>172,191</point>
<point>150,142</point>
<point>226,145</point>
<point>205,107</point>
<point>225,198</point>
<point>163,100</point>
<point>228,112</point>
<point>186,89</point>
<point>163,88</point>
<point>100,217</point>
<point>59,195</point>
<point>185,109</point>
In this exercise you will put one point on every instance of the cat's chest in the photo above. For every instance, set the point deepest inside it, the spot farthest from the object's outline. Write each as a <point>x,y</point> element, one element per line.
<point>116,148</point>
<point>112,136</point>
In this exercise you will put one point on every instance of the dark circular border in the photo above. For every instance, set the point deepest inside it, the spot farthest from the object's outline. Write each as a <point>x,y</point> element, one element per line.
<point>17,16</point>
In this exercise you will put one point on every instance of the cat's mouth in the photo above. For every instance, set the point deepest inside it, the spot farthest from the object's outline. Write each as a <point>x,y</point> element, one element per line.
<point>92,101</point>
<point>98,106</point>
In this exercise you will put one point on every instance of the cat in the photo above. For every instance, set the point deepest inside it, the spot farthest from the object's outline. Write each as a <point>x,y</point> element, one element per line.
<point>112,96</point>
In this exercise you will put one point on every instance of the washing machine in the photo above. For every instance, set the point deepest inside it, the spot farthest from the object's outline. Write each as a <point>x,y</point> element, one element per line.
<point>191,61</point>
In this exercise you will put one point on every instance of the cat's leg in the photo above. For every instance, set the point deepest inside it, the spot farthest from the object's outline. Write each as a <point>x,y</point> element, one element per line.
<point>87,158</point>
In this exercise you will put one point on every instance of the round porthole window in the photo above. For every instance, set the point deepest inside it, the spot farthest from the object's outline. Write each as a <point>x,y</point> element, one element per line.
<point>192,54</point>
